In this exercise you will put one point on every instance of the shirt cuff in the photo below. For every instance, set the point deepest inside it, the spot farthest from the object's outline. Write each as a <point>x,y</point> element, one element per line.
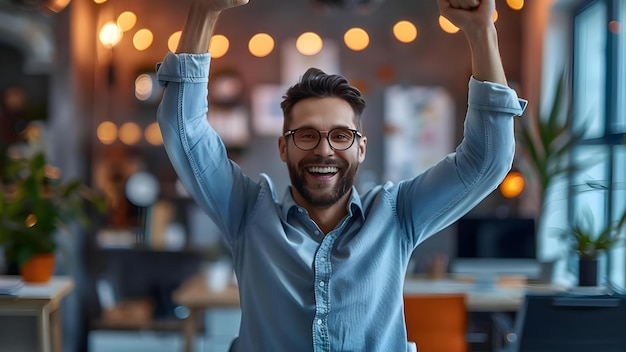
<point>192,68</point>
<point>494,97</point>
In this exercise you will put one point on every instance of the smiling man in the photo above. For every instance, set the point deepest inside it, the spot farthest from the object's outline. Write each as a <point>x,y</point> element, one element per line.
<point>322,268</point>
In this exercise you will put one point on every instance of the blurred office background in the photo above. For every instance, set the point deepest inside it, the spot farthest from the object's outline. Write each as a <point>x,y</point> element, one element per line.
<point>86,69</point>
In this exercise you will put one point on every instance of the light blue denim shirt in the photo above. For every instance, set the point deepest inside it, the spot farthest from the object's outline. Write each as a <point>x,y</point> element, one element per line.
<point>303,291</point>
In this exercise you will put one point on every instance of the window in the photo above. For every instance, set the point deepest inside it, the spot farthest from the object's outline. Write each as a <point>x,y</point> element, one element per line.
<point>599,95</point>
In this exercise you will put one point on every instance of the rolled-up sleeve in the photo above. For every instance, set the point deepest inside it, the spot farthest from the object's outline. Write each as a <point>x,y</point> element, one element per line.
<point>462,179</point>
<point>494,97</point>
<point>196,151</point>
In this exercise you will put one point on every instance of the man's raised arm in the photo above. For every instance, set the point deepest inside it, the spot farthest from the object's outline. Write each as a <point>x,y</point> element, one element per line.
<point>475,19</point>
<point>200,23</point>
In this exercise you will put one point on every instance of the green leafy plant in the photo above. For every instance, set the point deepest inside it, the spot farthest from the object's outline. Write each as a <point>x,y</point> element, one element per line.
<point>548,141</point>
<point>35,202</point>
<point>589,243</point>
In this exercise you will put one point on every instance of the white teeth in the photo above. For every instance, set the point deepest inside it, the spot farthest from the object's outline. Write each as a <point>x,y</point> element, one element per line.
<point>323,170</point>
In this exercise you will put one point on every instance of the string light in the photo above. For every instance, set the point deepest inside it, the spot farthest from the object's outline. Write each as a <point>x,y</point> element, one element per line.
<point>356,39</point>
<point>261,45</point>
<point>110,34</point>
<point>172,41</point>
<point>405,31</point>
<point>447,26</point>
<point>309,43</point>
<point>107,132</point>
<point>515,4</point>
<point>126,20</point>
<point>219,46</point>
<point>143,39</point>
<point>130,133</point>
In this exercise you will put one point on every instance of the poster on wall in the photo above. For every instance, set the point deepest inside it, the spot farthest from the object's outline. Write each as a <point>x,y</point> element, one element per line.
<point>267,116</point>
<point>419,129</point>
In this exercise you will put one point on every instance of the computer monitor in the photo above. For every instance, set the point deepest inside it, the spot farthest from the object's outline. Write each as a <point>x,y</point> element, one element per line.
<point>492,246</point>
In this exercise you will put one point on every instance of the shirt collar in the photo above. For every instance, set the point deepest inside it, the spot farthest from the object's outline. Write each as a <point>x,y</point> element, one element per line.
<point>354,203</point>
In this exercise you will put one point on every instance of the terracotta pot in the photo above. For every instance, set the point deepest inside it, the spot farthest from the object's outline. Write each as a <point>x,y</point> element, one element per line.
<point>38,269</point>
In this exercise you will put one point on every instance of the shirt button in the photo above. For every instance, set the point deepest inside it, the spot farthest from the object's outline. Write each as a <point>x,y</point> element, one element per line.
<point>322,259</point>
<point>319,321</point>
<point>321,283</point>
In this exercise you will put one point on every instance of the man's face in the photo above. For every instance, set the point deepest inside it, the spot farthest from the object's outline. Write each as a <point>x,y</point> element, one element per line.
<point>322,176</point>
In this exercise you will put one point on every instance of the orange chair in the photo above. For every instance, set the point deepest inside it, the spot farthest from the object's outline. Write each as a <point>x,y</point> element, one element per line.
<point>437,322</point>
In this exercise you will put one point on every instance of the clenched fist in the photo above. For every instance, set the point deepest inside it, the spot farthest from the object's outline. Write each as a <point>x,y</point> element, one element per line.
<point>219,5</point>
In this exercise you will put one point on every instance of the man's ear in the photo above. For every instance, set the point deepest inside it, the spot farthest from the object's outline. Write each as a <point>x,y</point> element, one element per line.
<point>282,148</point>
<point>362,149</point>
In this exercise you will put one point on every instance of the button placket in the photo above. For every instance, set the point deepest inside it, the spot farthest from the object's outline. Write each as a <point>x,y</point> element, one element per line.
<point>322,304</point>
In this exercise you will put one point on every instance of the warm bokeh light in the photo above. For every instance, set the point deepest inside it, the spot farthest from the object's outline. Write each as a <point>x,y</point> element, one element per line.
<point>144,86</point>
<point>495,16</point>
<point>515,4</point>
<point>447,26</point>
<point>261,45</point>
<point>219,46</point>
<point>107,132</point>
<point>31,220</point>
<point>512,185</point>
<point>152,134</point>
<point>405,31</point>
<point>172,41</point>
<point>110,34</point>
<point>126,20</point>
<point>356,39</point>
<point>57,5</point>
<point>143,39</point>
<point>99,1</point>
<point>309,43</point>
<point>130,133</point>
<point>614,27</point>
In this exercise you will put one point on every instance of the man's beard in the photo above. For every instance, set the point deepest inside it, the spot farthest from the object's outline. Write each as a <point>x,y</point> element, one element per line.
<point>323,198</point>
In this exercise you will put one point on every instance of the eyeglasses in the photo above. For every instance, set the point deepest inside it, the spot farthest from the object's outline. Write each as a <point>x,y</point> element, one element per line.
<point>339,138</point>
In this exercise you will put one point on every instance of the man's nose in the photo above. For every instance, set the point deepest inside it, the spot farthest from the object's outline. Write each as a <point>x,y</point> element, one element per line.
<point>323,147</point>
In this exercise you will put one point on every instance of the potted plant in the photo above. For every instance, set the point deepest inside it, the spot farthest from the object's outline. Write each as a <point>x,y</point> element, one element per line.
<point>588,244</point>
<point>547,141</point>
<point>35,203</point>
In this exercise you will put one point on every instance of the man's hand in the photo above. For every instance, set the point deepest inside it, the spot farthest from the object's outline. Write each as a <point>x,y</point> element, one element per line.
<point>475,19</point>
<point>220,5</point>
<point>467,14</point>
<point>198,29</point>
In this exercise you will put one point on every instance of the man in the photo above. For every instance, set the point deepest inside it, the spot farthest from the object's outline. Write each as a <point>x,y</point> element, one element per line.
<point>323,269</point>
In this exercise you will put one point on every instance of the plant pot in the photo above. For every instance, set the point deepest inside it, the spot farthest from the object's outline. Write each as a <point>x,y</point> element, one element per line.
<point>588,272</point>
<point>38,269</point>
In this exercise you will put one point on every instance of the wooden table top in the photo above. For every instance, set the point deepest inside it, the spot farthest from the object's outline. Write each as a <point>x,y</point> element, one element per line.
<point>196,293</point>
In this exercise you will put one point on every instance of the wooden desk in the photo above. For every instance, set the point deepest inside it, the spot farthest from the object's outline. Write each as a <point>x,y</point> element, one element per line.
<point>41,301</point>
<point>197,297</point>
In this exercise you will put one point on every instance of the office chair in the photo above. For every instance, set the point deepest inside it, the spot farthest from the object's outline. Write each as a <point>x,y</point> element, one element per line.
<point>436,323</point>
<point>559,323</point>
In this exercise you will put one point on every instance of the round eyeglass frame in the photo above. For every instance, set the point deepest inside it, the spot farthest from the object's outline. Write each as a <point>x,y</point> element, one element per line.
<point>355,134</point>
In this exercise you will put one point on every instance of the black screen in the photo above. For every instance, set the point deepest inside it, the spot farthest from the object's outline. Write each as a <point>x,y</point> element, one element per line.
<point>510,238</point>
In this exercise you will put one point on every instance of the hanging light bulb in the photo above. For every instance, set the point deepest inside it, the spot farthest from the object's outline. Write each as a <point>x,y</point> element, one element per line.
<point>110,34</point>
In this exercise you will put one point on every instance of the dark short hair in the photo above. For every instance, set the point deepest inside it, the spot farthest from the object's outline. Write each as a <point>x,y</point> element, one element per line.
<point>316,83</point>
